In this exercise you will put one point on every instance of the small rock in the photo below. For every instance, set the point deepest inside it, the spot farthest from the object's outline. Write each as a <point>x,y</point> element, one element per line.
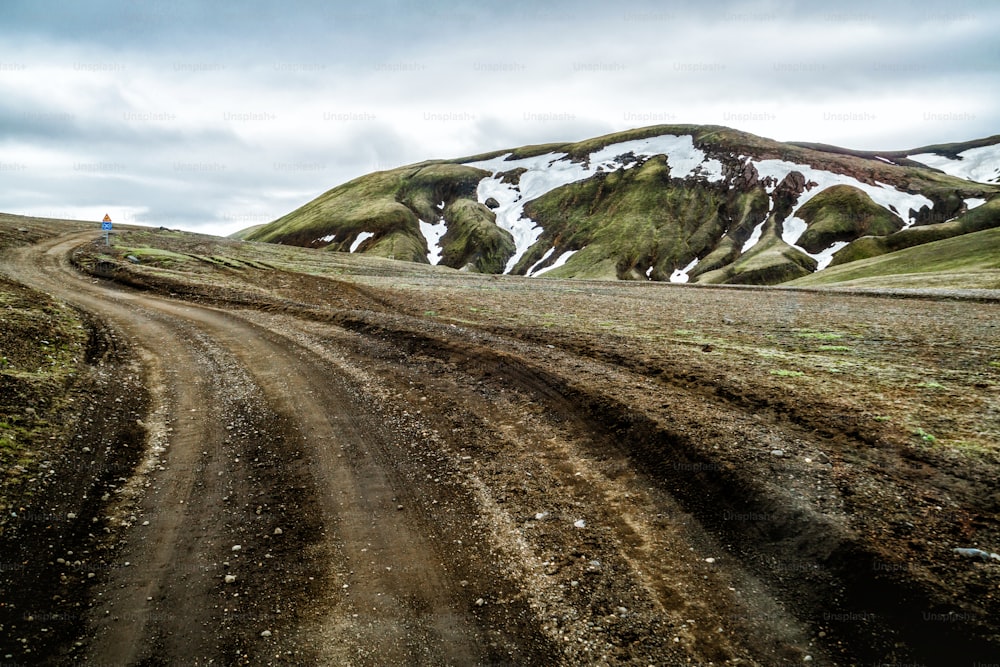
<point>777,452</point>
<point>541,515</point>
<point>977,553</point>
<point>278,531</point>
<point>230,578</point>
<point>71,516</point>
<point>237,547</point>
<point>480,602</point>
<point>266,633</point>
<point>492,203</point>
<point>709,560</point>
<point>579,523</point>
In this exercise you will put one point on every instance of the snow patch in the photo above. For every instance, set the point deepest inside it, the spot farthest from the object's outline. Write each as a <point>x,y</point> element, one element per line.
<point>885,160</point>
<point>976,164</point>
<point>362,237</point>
<point>888,197</point>
<point>545,173</point>
<point>972,203</point>
<point>681,275</point>
<point>824,257</point>
<point>793,229</point>
<point>326,239</point>
<point>560,260</point>
<point>432,234</point>
<point>547,254</point>
<point>755,235</point>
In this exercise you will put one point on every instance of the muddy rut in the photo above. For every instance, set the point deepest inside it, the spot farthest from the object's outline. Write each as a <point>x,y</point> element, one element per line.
<point>357,487</point>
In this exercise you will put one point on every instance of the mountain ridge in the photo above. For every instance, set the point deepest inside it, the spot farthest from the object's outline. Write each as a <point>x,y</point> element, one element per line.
<point>665,202</point>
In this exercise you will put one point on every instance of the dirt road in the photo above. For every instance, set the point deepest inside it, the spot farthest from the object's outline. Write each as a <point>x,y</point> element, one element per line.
<point>360,487</point>
<point>252,435</point>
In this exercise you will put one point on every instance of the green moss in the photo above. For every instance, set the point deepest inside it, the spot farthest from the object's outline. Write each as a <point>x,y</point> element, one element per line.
<point>769,262</point>
<point>843,213</point>
<point>969,260</point>
<point>473,240</point>
<point>930,385</point>
<point>750,210</point>
<point>387,204</point>
<point>820,335</point>
<point>978,219</point>
<point>636,218</point>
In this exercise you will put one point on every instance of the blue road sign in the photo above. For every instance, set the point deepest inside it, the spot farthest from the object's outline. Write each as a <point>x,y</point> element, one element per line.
<point>105,226</point>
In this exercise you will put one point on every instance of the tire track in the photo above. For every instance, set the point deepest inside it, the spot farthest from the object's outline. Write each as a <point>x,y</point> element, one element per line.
<point>390,600</point>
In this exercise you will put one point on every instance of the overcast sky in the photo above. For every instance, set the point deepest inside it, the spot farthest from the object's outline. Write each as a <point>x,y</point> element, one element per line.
<point>214,116</point>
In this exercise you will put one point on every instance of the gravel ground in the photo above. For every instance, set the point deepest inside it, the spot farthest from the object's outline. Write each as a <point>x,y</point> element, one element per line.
<point>423,467</point>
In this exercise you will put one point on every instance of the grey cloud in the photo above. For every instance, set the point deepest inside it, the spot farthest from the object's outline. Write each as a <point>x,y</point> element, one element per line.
<point>275,102</point>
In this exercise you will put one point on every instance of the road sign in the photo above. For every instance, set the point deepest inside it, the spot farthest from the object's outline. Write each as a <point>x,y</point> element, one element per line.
<point>106,226</point>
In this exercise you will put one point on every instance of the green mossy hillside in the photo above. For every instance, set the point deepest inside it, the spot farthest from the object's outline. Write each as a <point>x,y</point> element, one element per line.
<point>843,213</point>
<point>978,219</point>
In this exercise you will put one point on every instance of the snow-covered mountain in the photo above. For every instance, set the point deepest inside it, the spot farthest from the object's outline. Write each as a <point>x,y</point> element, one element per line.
<point>677,203</point>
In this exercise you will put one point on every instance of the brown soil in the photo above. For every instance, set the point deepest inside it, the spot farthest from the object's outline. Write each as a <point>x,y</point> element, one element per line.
<point>463,470</point>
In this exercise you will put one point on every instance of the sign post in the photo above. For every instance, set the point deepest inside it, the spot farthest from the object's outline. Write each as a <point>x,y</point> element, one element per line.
<point>106,226</point>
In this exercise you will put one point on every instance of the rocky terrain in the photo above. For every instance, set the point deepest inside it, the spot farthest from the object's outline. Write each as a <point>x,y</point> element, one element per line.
<point>259,454</point>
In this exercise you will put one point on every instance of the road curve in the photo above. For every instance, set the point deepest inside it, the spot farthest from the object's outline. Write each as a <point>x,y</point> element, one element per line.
<point>374,587</point>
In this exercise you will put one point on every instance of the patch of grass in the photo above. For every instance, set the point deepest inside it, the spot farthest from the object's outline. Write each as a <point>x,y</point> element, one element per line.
<point>820,335</point>
<point>930,385</point>
<point>882,418</point>
<point>925,436</point>
<point>834,348</point>
<point>156,256</point>
<point>994,364</point>
<point>965,261</point>
<point>781,372</point>
<point>976,449</point>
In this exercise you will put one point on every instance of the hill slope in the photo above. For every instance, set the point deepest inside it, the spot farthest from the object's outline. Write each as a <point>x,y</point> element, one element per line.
<point>702,203</point>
